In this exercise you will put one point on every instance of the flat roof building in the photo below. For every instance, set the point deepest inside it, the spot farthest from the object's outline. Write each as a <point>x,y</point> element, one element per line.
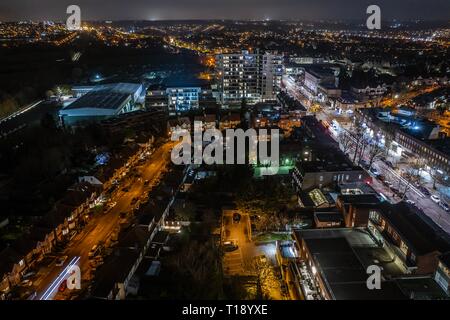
<point>101,102</point>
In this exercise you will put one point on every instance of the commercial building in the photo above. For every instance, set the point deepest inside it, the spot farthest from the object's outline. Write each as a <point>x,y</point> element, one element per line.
<point>334,263</point>
<point>411,235</point>
<point>316,76</point>
<point>103,101</point>
<point>321,162</point>
<point>412,134</point>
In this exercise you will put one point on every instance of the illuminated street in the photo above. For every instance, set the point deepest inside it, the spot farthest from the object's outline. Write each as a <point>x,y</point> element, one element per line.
<point>101,226</point>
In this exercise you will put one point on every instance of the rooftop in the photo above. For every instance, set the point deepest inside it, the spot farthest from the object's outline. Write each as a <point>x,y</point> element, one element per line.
<point>415,228</point>
<point>108,96</point>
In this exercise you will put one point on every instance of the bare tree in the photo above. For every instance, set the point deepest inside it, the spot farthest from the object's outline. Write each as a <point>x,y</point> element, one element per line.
<point>358,134</point>
<point>345,140</point>
<point>375,151</point>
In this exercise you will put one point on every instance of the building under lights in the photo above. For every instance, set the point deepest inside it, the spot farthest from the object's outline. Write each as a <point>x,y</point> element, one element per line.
<point>254,77</point>
<point>182,100</point>
<point>102,101</point>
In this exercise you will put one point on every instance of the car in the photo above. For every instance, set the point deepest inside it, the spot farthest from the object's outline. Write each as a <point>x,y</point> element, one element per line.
<point>444,206</point>
<point>63,286</point>
<point>26,283</point>
<point>146,182</point>
<point>435,198</point>
<point>374,171</point>
<point>61,261</point>
<point>93,252</point>
<point>390,164</point>
<point>229,246</point>
<point>236,217</point>
<point>28,274</point>
<point>424,190</point>
<point>410,202</point>
<point>388,183</point>
<point>134,200</point>
<point>112,204</point>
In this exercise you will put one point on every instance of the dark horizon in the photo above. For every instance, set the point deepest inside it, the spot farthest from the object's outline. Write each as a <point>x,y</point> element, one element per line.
<point>177,10</point>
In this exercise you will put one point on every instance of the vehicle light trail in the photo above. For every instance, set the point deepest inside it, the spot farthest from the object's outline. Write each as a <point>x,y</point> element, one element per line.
<point>19,112</point>
<point>55,284</point>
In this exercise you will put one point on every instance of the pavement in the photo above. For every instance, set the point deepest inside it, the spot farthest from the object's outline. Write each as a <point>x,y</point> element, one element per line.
<point>101,226</point>
<point>242,261</point>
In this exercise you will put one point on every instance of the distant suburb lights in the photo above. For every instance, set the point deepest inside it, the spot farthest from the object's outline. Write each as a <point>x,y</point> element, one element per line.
<point>73,21</point>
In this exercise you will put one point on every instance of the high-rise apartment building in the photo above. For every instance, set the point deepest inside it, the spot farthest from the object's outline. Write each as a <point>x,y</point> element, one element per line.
<point>251,76</point>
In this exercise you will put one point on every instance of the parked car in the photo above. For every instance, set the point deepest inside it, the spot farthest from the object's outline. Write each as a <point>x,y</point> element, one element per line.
<point>61,261</point>
<point>229,246</point>
<point>26,283</point>
<point>236,217</point>
<point>388,183</point>
<point>374,171</point>
<point>424,190</point>
<point>63,286</point>
<point>444,206</point>
<point>410,202</point>
<point>435,198</point>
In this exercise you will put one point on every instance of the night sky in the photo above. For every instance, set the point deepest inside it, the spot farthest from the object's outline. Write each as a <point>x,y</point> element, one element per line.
<point>13,10</point>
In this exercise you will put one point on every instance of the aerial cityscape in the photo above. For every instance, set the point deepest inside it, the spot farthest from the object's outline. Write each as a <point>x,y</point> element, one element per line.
<point>134,151</point>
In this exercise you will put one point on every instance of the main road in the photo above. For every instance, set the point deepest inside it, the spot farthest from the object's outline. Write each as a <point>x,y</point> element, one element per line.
<point>101,226</point>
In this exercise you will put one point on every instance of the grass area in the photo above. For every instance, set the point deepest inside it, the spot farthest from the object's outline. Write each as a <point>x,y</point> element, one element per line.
<point>269,236</point>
